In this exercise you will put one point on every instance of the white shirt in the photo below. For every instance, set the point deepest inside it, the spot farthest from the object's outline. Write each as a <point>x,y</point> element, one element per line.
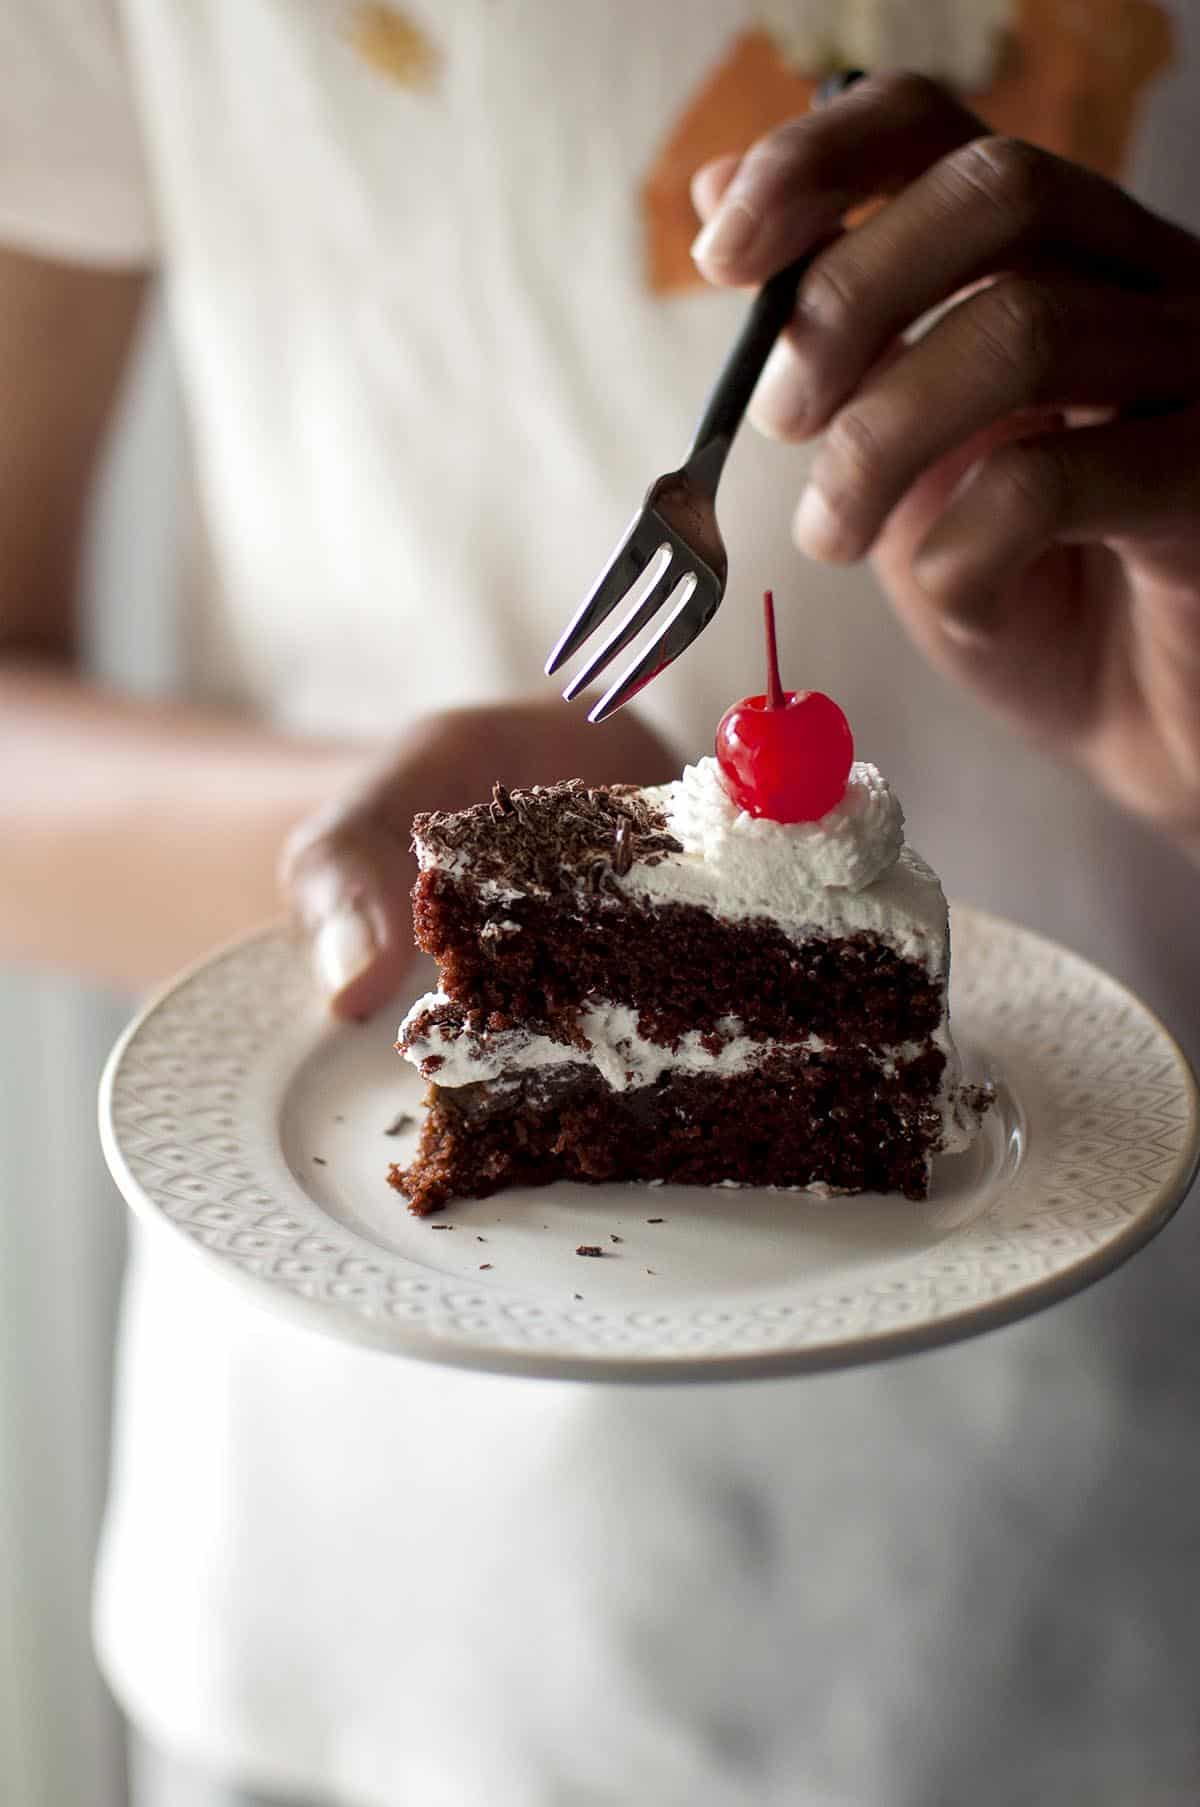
<point>428,377</point>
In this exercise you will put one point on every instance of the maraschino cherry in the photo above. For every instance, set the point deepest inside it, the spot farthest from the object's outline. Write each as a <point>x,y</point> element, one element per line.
<point>785,755</point>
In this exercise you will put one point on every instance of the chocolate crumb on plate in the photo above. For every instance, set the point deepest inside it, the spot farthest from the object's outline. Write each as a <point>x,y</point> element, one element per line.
<point>483,1266</point>
<point>320,1161</point>
<point>613,1238</point>
<point>398,1124</point>
<point>589,1248</point>
<point>441,1226</point>
<point>656,1220</point>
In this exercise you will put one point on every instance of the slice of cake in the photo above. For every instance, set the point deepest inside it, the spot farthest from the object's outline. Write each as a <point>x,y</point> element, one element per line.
<point>659,985</point>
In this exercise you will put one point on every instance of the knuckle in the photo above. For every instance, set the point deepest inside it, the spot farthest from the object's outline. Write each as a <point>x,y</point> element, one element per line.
<point>835,294</point>
<point>805,149</point>
<point>906,93</point>
<point>854,458</point>
<point>795,159</point>
<point>1010,175</point>
<point>945,583</point>
<point>783,152</point>
<point>1029,487</point>
<point>1017,322</point>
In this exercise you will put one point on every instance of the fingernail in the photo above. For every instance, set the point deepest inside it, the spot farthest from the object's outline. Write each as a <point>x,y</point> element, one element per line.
<point>972,623</point>
<point>777,405</point>
<point>728,235</point>
<point>342,948</point>
<point>967,613</point>
<point>816,529</point>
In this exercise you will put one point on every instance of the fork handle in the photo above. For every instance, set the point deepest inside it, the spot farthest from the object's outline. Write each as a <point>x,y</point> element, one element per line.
<point>770,312</point>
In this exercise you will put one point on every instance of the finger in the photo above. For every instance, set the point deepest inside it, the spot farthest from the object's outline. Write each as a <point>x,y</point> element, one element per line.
<point>779,407</point>
<point>994,204</point>
<point>348,885</point>
<point>796,184</point>
<point>1132,479</point>
<point>710,182</point>
<point>1014,345</point>
<point>915,516</point>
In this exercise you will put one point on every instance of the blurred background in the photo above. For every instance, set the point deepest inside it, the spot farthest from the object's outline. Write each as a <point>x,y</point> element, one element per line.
<point>61,1221</point>
<point>62,1224</point>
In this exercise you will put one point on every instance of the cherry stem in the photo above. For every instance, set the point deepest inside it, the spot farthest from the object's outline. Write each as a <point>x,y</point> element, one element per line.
<point>775,696</point>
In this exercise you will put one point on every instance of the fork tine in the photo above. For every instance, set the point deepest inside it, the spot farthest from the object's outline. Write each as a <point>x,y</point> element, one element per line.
<point>617,578</point>
<point>645,607</point>
<point>697,604</point>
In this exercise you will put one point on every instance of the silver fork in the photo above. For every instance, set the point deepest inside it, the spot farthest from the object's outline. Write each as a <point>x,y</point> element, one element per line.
<point>672,553</point>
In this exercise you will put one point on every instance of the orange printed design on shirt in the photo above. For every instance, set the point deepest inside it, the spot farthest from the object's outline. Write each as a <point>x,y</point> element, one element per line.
<point>393,45</point>
<point>1068,75</point>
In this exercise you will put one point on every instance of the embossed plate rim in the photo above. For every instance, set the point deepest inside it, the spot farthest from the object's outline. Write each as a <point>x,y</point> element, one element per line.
<point>571,1348</point>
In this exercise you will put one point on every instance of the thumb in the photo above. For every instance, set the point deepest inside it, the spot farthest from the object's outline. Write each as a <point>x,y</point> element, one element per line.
<point>709,184</point>
<point>347,880</point>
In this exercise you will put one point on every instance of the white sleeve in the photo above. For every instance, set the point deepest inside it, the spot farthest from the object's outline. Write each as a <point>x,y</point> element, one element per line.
<point>73,181</point>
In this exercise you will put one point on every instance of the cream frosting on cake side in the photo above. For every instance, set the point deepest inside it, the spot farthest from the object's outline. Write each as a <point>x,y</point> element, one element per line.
<point>848,873</point>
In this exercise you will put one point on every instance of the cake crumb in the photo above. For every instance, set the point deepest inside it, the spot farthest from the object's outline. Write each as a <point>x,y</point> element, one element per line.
<point>589,1248</point>
<point>441,1226</point>
<point>398,1125</point>
<point>338,1117</point>
<point>483,1266</point>
<point>613,1238</point>
<point>656,1220</point>
<point>579,1295</point>
<point>481,1238</point>
<point>320,1161</point>
<point>650,1270</point>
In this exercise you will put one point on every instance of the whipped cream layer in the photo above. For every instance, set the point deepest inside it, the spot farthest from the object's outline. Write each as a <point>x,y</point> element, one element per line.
<point>846,874</point>
<point>452,1054</point>
<point>616,1048</point>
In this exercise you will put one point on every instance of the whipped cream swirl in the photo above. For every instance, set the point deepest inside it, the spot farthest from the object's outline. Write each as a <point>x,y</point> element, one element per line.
<point>850,847</point>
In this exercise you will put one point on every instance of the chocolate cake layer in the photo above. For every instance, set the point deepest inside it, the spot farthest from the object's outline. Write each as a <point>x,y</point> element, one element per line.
<point>537,959</point>
<point>839,1121</point>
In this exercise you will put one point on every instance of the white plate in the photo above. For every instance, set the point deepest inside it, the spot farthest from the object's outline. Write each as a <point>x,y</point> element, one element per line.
<point>237,1118</point>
